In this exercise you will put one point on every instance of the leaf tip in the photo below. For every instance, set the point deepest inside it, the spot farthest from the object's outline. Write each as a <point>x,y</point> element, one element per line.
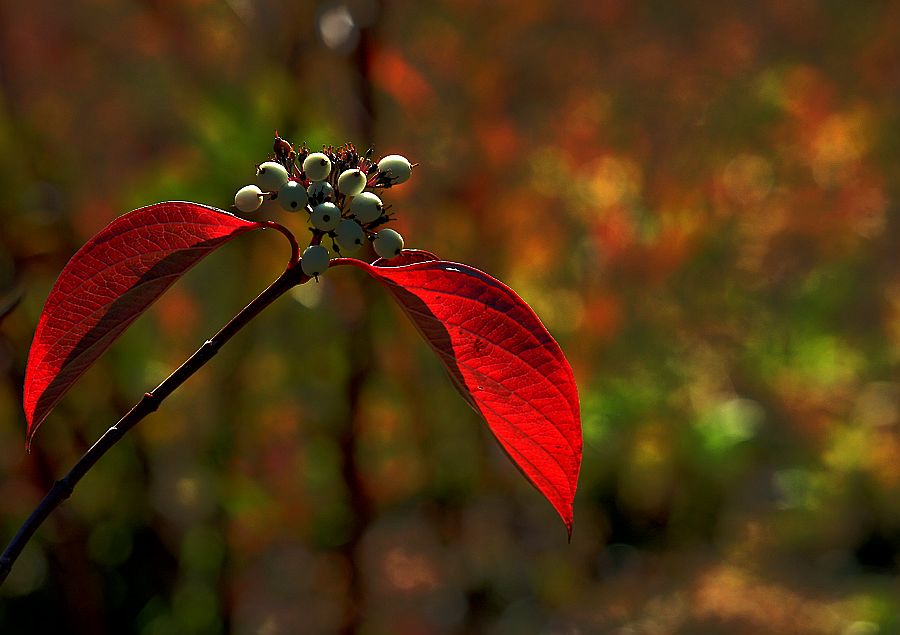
<point>29,431</point>
<point>569,522</point>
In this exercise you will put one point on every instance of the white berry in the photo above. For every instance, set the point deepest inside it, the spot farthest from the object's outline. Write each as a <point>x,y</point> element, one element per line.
<point>248,198</point>
<point>320,191</point>
<point>325,216</point>
<point>349,235</point>
<point>270,176</point>
<point>366,207</point>
<point>314,261</point>
<point>388,243</point>
<point>396,168</point>
<point>351,182</point>
<point>317,166</point>
<point>292,197</point>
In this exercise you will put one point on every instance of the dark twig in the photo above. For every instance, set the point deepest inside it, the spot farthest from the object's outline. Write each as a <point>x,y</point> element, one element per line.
<point>64,487</point>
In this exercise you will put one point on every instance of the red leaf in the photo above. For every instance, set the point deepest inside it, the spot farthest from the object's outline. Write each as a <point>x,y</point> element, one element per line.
<point>108,284</point>
<point>501,359</point>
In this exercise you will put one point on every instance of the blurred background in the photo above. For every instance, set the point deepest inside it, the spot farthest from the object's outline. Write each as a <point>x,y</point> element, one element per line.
<point>699,200</point>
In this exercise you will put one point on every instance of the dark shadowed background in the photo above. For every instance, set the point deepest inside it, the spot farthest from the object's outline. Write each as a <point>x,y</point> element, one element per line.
<point>700,201</point>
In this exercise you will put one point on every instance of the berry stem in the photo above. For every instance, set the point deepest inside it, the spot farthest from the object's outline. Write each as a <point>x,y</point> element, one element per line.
<point>63,488</point>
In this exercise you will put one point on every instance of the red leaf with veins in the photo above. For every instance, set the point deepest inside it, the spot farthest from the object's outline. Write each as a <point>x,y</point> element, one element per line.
<point>108,283</point>
<point>501,359</point>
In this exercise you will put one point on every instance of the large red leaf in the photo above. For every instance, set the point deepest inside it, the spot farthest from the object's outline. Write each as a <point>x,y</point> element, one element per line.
<point>108,283</point>
<point>502,360</point>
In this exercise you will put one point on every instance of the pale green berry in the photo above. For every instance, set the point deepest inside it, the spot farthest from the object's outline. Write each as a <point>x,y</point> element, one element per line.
<point>351,182</point>
<point>292,197</point>
<point>314,261</point>
<point>396,168</point>
<point>325,216</point>
<point>320,191</point>
<point>388,243</point>
<point>270,176</point>
<point>248,198</point>
<point>366,207</point>
<point>350,236</point>
<point>317,166</point>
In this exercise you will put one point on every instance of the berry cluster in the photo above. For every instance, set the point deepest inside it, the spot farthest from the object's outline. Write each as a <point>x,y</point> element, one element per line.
<point>331,186</point>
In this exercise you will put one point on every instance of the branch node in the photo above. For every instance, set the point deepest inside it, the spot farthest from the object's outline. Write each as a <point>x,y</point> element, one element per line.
<point>152,402</point>
<point>64,487</point>
<point>212,345</point>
